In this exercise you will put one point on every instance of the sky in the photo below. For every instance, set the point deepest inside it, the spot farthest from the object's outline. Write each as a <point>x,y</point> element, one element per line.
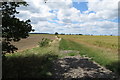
<point>96,17</point>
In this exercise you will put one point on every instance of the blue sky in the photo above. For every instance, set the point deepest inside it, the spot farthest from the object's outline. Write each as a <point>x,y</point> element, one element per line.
<point>96,17</point>
<point>82,6</point>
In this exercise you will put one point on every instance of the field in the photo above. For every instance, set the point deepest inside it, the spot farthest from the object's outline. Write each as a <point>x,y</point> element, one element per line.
<point>104,42</point>
<point>102,49</point>
<point>32,61</point>
<point>31,41</point>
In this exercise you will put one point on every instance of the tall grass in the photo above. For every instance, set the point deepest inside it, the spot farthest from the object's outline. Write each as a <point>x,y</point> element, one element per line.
<point>107,42</point>
<point>31,63</point>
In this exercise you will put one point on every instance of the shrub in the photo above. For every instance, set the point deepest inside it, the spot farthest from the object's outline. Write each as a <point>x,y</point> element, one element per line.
<point>44,42</point>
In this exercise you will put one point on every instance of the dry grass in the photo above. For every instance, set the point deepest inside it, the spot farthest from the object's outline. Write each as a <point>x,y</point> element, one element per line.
<point>109,43</point>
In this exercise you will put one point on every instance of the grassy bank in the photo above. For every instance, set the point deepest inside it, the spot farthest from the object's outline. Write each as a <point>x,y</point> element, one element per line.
<point>31,63</point>
<point>102,57</point>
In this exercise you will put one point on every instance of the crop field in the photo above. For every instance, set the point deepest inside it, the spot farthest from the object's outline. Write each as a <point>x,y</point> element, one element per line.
<point>31,41</point>
<point>106,42</point>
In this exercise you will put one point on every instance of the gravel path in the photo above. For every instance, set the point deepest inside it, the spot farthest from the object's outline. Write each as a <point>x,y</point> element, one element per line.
<point>79,67</point>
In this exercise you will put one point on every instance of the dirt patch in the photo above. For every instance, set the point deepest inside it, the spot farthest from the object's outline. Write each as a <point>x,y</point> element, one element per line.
<point>31,41</point>
<point>79,67</point>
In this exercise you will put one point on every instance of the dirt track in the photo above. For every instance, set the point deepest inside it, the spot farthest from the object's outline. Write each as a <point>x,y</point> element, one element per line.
<point>80,67</point>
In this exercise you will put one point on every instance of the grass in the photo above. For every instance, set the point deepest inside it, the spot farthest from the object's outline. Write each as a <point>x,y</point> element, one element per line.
<point>72,54</point>
<point>68,54</point>
<point>106,42</point>
<point>36,62</point>
<point>102,57</point>
<point>31,63</point>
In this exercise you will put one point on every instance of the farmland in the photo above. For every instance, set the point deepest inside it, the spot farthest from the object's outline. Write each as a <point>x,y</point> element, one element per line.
<point>102,49</point>
<point>106,42</point>
<point>31,41</point>
<point>33,61</point>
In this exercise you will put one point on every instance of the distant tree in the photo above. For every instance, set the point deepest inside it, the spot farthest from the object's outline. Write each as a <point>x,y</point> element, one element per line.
<point>56,33</point>
<point>13,29</point>
<point>62,33</point>
<point>80,34</point>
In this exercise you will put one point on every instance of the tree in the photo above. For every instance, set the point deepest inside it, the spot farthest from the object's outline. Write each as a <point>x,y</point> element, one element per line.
<point>13,29</point>
<point>56,33</point>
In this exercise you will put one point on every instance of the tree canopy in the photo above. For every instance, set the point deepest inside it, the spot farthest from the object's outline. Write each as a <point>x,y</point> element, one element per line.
<point>13,29</point>
<point>56,33</point>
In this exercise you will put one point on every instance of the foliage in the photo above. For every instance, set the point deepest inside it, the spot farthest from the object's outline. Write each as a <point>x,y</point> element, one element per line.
<point>56,33</point>
<point>44,42</point>
<point>13,29</point>
<point>7,47</point>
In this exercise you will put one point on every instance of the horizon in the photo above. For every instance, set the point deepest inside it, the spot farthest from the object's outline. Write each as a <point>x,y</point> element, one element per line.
<point>74,34</point>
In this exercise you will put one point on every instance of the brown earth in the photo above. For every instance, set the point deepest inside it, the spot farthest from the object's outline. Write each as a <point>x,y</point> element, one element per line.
<point>31,41</point>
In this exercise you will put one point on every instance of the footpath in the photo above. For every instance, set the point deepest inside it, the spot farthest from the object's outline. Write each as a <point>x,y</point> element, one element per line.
<point>78,67</point>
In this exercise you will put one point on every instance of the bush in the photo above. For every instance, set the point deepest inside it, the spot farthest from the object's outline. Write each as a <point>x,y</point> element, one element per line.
<point>44,42</point>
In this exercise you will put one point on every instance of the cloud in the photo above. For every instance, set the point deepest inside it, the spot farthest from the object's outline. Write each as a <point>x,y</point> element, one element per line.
<point>62,17</point>
<point>70,14</point>
<point>104,9</point>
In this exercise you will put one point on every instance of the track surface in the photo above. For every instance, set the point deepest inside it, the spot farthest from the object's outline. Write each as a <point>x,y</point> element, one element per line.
<point>79,67</point>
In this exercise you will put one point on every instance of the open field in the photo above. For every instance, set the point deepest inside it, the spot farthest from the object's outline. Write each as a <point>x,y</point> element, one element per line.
<point>31,41</point>
<point>102,49</point>
<point>34,61</point>
<point>105,42</point>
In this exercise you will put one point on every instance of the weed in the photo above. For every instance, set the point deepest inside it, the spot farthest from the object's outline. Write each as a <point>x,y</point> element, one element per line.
<point>44,42</point>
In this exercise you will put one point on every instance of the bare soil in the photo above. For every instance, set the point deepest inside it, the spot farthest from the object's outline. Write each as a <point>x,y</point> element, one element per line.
<point>31,41</point>
<point>78,67</point>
